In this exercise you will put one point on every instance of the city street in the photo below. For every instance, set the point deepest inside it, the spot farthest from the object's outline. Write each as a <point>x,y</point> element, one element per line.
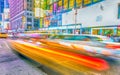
<point>12,64</point>
<point>59,37</point>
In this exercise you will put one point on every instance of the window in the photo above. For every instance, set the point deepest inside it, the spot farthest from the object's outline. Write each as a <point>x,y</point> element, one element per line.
<point>27,14</point>
<point>29,19</point>
<point>30,14</point>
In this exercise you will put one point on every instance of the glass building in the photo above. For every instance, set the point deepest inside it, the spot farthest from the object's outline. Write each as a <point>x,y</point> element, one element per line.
<point>1,8</point>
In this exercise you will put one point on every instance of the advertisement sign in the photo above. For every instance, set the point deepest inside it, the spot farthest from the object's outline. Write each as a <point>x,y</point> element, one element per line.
<point>87,2</point>
<point>65,4</point>
<point>54,7</point>
<point>37,8</point>
<point>23,21</point>
<point>41,22</point>
<point>78,3</point>
<point>46,21</point>
<point>71,4</point>
<point>96,1</point>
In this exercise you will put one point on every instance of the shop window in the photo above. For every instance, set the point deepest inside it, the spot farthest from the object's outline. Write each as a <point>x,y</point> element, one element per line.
<point>118,32</point>
<point>95,32</point>
<point>108,32</point>
<point>29,19</point>
<point>86,30</point>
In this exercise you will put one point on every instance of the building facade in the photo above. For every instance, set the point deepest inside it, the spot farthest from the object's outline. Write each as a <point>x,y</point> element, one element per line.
<point>21,15</point>
<point>1,8</point>
<point>100,17</point>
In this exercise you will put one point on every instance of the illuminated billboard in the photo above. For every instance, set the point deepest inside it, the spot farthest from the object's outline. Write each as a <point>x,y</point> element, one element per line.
<point>78,3</point>
<point>55,7</point>
<point>94,1</point>
<point>87,2</point>
<point>59,3</point>
<point>38,10</point>
<point>65,4</point>
<point>71,4</point>
<point>41,22</point>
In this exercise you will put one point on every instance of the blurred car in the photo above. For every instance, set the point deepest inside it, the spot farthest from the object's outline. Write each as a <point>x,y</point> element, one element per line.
<point>3,35</point>
<point>89,43</point>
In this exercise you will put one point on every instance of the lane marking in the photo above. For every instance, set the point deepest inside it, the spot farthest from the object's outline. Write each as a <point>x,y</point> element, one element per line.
<point>6,45</point>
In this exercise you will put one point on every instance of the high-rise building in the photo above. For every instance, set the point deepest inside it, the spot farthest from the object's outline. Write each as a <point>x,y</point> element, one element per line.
<point>5,17</point>
<point>1,8</point>
<point>6,4</point>
<point>21,15</point>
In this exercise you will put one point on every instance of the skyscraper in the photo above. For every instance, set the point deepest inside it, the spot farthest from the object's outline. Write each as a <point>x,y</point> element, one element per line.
<point>21,15</point>
<point>6,4</point>
<point>1,8</point>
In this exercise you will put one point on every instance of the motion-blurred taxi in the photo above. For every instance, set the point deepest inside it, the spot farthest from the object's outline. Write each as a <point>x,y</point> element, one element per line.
<point>89,43</point>
<point>3,35</point>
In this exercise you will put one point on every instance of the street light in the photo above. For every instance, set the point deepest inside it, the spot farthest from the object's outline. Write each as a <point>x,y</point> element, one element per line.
<point>75,19</point>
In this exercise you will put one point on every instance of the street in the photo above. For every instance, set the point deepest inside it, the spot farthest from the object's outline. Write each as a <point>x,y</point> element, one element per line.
<point>66,65</point>
<point>11,64</point>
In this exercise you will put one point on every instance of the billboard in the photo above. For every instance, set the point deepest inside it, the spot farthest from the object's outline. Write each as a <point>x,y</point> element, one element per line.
<point>65,4</point>
<point>38,10</point>
<point>78,3</point>
<point>87,2</point>
<point>71,4</point>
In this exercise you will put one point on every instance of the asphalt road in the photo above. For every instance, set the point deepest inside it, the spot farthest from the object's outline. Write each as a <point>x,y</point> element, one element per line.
<point>11,64</point>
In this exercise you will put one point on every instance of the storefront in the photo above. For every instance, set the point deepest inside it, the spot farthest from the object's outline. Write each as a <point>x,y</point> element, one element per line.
<point>108,31</point>
<point>113,30</point>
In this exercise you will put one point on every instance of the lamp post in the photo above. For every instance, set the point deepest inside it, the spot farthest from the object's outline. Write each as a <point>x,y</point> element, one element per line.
<point>75,19</point>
